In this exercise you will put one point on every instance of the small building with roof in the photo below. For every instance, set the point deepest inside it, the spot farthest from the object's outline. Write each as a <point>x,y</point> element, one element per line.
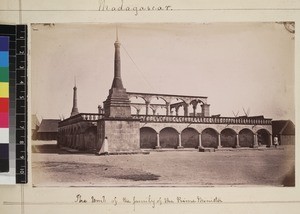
<point>285,131</point>
<point>48,129</point>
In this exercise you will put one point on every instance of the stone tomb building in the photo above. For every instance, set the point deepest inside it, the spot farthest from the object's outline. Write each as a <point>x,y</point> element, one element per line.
<point>129,130</point>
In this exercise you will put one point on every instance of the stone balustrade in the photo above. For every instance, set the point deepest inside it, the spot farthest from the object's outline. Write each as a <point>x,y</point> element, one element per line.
<point>91,117</point>
<point>204,120</point>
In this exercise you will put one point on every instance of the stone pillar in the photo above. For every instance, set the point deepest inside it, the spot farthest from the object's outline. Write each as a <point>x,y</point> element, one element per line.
<point>179,142</point>
<point>205,110</point>
<point>82,141</point>
<point>255,143</point>
<point>73,141</point>
<point>77,144</point>
<point>194,110</point>
<point>200,142</point>
<point>138,111</point>
<point>154,111</point>
<point>167,108</point>
<point>186,109</point>
<point>157,142</point>
<point>99,109</point>
<point>219,141</point>
<point>147,107</point>
<point>271,141</point>
<point>176,109</point>
<point>237,141</point>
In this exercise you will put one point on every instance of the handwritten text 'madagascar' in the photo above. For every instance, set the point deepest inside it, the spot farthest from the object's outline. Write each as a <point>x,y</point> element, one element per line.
<point>122,6</point>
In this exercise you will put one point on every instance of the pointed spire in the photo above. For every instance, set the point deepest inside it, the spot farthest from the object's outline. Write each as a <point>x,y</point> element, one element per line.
<point>117,34</point>
<point>117,82</point>
<point>74,108</point>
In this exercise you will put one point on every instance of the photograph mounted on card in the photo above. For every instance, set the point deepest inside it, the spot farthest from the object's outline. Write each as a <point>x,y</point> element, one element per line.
<point>135,105</point>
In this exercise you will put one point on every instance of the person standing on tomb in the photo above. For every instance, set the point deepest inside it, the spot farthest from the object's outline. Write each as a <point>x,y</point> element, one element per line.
<point>104,147</point>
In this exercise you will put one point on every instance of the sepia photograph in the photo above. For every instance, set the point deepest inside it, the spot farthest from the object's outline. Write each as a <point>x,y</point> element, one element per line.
<point>163,105</point>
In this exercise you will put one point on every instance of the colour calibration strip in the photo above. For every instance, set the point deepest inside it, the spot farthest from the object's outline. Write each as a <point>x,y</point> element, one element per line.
<point>4,103</point>
<point>13,95</point>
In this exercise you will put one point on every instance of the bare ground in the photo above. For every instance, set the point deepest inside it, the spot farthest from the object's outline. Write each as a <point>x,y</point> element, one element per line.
<point>268,167</point>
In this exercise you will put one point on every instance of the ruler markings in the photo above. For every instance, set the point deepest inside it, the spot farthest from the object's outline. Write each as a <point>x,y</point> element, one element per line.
<point>21,96</point>
<point>17,48</point>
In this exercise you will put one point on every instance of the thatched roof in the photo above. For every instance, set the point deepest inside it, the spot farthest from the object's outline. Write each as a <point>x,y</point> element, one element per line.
<point>49,125</point>
<point>283,127</point>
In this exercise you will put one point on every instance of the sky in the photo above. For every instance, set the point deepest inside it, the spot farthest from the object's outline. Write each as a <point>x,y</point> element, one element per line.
<point>237,66</point>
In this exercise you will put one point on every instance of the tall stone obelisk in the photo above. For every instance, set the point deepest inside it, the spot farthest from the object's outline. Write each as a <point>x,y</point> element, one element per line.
<point>122,131</point>
<point>117,104</point>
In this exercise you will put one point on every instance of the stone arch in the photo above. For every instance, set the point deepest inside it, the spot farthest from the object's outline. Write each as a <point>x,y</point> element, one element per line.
<point>157,106</point>
<point>246,138</point>
<point>137,97</point>
<point>197,100</point>
<point>134,109</point>
<point>160,97</point>
<point>209,138</point>
<point>189,138</point>
<point>168,138</point>
<point>178,106</point>
<point>228,138</point>
<point>139,109</point>
<point>148,138</point>
<point>195,108</point>
<point>263,137</point>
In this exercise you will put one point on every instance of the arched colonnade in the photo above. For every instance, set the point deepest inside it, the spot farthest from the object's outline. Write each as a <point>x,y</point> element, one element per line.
<point>169,137</point>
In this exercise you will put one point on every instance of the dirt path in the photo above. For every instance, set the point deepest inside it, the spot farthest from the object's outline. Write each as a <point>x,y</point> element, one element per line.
<point>191,168</point>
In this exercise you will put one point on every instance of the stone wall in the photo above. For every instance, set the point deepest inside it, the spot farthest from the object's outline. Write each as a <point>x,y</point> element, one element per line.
<point>287,139</point>
<point>126,134</point>
<point>81,135</point>
<point>122,134</point>
<point>89,139</point>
